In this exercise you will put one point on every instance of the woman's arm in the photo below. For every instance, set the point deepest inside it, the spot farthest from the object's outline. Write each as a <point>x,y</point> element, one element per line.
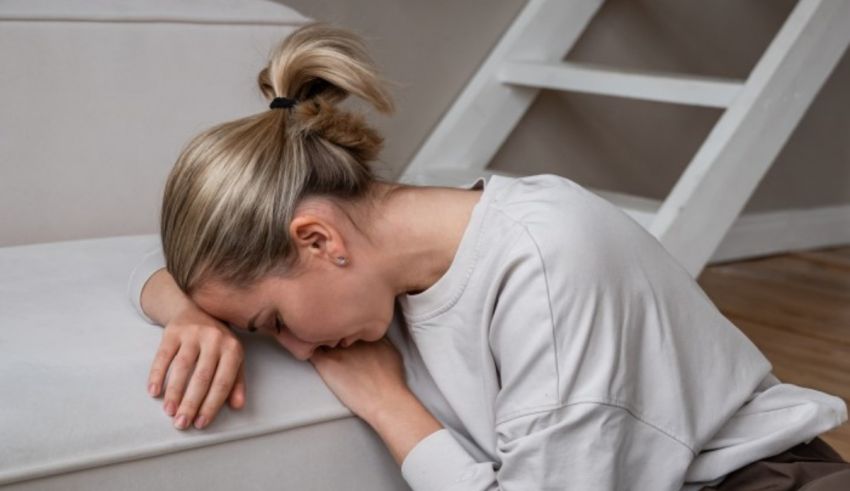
<point>151,262</point>
<point>369,379</point>
<point>402,423</point>
<point>153,291</point>
<point>161,298</point>
<point>577,446</point>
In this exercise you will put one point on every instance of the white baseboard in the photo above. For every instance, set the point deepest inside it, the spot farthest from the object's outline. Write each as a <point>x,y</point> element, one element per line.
<point>762,234</point>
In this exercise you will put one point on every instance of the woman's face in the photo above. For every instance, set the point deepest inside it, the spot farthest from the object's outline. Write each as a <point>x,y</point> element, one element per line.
<point>323,304</point>
<point>323,307</point>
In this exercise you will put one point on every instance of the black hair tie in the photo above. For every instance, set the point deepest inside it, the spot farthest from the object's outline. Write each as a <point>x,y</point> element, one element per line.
<point>283,102</point>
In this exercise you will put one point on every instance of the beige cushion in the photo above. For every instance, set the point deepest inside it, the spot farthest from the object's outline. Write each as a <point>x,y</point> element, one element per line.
<point>76,415</point>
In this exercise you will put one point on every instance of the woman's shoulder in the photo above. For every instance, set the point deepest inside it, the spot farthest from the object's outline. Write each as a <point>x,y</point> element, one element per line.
<point>555,209</point>
<point>573,229</point>
<point>550,199</point>
<point>516,189</point>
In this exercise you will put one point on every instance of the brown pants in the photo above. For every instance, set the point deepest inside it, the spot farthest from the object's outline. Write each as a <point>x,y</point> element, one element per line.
<point>812,467</point>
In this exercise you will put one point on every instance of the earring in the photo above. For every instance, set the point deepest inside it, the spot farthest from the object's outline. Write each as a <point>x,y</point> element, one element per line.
<point>341,260</point>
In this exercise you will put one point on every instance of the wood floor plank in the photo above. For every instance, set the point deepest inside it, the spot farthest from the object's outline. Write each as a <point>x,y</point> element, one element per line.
<point>828,258</point>
<point>785,306</point>
<point>794,270</point>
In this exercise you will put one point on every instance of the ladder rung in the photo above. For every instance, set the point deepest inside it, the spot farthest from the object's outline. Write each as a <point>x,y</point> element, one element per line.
<point>580,77</point>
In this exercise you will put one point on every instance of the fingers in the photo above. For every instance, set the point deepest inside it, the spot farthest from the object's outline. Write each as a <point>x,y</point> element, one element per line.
<point>221,386</point>
<point>159,367</point>
<point>237,395</point>
<point>181,368</point>
<point>200,366</point>
<point>198,387</point>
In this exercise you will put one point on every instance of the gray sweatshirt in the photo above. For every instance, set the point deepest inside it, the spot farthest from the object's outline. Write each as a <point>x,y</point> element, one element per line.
<point>564,348</point>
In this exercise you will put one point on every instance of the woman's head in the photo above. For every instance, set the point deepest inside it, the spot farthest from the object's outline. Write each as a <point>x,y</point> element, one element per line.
<point>257,211</point>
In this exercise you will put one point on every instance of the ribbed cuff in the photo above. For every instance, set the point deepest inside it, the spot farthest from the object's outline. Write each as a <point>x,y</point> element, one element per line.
<point>436,462</point>
<point>150,264</point>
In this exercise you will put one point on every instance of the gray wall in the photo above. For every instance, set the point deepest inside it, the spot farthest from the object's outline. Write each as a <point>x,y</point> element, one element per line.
<point>96,101</point>
<point>434,47</point>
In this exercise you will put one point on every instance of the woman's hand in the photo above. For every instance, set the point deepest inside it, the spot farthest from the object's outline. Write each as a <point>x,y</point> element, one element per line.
<point>195,344</point>
<point>369,379</point>
<point>365,376</point>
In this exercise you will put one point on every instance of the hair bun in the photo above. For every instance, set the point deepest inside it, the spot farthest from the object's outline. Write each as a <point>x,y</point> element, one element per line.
<point>321,60</point>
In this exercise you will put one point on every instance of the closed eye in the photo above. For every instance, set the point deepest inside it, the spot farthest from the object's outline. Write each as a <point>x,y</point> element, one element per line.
<point>277,323</point>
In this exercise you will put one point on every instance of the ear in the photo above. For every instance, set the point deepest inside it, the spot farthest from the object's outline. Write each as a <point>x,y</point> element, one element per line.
<point>315,237</point>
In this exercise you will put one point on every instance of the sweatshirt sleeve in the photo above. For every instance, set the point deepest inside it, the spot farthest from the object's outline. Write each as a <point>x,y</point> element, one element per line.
<point>151,262</point>
<point>588,445</point>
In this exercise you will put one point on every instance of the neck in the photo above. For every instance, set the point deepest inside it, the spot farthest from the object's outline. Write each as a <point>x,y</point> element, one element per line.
<point>416,232</point>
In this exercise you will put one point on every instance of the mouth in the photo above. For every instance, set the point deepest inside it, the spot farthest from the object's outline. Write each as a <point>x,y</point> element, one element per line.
<point>343,342</point>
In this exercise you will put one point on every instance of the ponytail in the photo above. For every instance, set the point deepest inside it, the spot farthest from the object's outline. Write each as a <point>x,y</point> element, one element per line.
<point>234,188</point>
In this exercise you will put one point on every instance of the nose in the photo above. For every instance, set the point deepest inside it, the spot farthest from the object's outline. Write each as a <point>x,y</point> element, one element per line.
<point>304,355</point>
<point>301,350</point>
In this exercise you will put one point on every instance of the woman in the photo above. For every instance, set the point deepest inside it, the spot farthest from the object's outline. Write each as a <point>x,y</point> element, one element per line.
<point>549,341</point>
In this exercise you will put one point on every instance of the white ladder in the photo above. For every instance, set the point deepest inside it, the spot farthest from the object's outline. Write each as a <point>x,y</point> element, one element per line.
<point>761,112</point>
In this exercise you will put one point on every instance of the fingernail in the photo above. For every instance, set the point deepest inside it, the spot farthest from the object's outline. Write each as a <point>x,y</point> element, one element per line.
<point>152,389</point>
<point>169,408</point>
<point>180,422</point>
<point>200,422</point>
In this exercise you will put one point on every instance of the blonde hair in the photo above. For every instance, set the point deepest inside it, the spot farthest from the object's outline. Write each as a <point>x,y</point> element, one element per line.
<point>234,188</point>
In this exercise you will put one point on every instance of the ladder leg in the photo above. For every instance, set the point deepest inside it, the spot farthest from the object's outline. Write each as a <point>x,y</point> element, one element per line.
<point>723,174</point>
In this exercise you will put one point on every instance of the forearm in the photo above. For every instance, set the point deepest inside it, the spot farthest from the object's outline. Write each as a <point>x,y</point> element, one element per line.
<point>402,423</point>
<point>162,299</point>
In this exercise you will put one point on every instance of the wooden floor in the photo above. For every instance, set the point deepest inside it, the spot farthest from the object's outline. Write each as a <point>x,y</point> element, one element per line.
<point>796,308</point>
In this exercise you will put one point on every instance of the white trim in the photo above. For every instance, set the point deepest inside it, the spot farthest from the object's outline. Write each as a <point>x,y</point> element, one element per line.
<point>777,232</point>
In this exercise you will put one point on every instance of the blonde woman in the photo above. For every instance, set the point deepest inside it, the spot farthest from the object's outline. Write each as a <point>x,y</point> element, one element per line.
<point>548,341</point>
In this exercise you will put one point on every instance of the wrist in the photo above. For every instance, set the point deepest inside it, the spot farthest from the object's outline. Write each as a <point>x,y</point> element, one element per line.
<point>389,405</point>
<point>402,422</point>
<point>178,307</point>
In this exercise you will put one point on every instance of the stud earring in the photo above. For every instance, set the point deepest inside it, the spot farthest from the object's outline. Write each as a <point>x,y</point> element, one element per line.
<point>341,261</point>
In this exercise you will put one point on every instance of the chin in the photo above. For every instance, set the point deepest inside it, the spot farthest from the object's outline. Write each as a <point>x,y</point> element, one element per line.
<point>377,334</point>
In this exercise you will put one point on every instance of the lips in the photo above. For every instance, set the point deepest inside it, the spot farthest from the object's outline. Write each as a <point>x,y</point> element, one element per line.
<point>344,342</point>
